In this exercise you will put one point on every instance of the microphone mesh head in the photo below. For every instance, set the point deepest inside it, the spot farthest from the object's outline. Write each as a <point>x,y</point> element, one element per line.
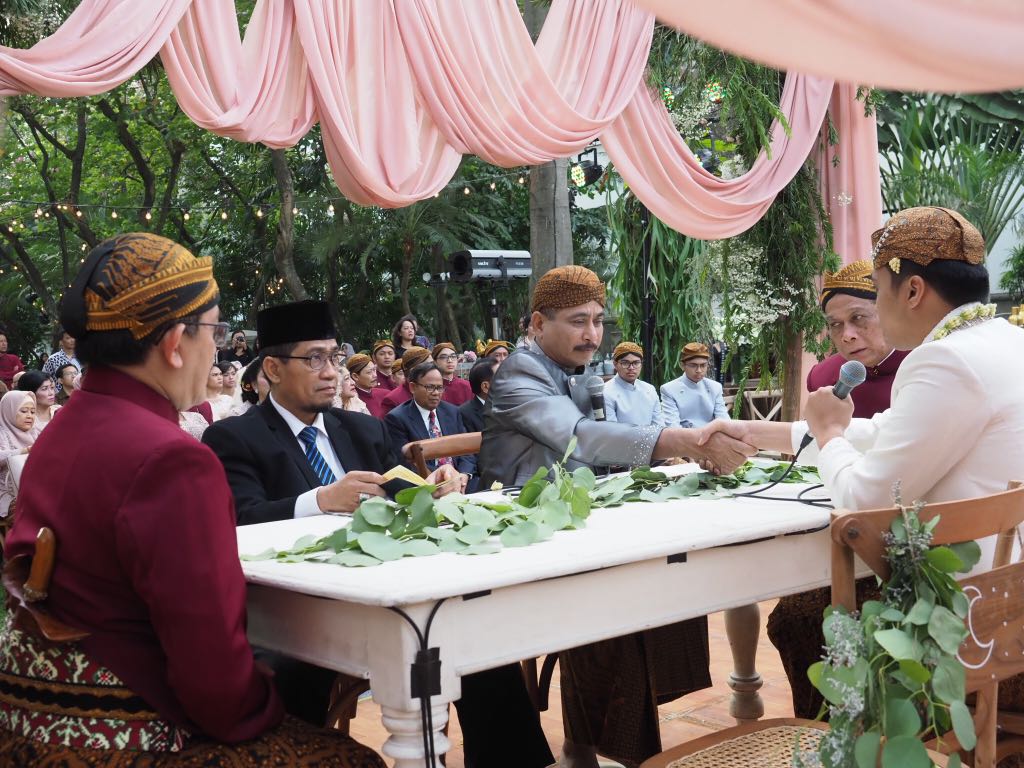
<point>594,385</point>
<point>853,373</point>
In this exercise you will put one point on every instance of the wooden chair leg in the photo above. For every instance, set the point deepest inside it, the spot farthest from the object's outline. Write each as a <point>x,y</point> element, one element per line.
<point>530,678</point>
<point>344,698</point>
<point>544,684</point>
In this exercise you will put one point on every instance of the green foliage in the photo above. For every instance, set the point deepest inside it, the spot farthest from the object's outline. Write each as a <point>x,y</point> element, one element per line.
<point>1013,279</point>
<point>416,525</point>
<point>964,152</point>
<point>768,297</point>
<point>890,676</point>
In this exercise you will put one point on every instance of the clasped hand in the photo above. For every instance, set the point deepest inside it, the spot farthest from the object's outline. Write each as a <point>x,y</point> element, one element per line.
<point>725,445</point>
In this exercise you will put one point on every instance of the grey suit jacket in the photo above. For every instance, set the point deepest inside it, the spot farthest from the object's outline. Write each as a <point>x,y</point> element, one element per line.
<point>535,408</point>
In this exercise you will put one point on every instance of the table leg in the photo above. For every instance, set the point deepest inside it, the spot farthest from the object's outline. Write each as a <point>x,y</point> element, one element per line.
<point>743,625</point>
<point>405,744</point>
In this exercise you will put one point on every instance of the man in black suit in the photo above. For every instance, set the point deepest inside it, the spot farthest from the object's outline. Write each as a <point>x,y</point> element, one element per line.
<point>295,456</point>
<point>427,416</point>
<point>480,382</point>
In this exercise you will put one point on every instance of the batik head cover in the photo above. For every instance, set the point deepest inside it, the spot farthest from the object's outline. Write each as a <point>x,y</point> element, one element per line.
<point>853,280</point>
<point>627,348</point>
<point>139,282</point>
<point>564,287</point>
<point>923,235</point>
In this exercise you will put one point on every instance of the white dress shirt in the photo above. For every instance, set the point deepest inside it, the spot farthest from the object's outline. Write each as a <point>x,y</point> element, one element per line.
<point>955,429</point>
<point>306,504</point>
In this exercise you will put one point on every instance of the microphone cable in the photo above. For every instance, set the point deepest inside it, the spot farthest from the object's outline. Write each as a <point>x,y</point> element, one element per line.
<point>758,494</point>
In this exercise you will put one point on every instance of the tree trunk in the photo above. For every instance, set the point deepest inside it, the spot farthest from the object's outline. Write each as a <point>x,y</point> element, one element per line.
<point>449,328</point>
<point>284,248</point>
<point>792,379</point>
<point>403,284</point>
<point>550,221</point>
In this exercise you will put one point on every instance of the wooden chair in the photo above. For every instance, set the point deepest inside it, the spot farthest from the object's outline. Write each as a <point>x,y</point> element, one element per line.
<point>772,398</point>
<point>422,451</point>
<point>996,617</point>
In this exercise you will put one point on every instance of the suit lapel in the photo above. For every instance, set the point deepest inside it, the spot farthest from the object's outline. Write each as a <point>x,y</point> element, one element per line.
<point>342,444</point>
<point>288,441</point>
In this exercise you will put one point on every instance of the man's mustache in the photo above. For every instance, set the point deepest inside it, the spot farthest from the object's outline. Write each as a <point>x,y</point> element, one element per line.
<point>585,348</point>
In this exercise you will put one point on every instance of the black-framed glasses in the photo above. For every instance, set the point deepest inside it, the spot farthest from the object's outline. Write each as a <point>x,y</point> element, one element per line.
<point>220,331</point>
<point>631,363</point>
<point>432,388</point>
<point>449,356</point>
<point>318,360</point>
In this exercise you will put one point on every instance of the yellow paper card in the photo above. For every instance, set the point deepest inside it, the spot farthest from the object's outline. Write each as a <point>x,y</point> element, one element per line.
<point>404,473</point>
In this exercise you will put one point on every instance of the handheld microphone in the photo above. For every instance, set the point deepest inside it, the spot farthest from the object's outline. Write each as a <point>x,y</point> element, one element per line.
<point>851,375</point>
<point>595,388</point>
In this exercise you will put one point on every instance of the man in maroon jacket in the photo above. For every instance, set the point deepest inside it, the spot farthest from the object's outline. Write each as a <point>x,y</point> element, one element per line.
<point>147,560</point>
<point>10,363</point>
<point>848,301</point>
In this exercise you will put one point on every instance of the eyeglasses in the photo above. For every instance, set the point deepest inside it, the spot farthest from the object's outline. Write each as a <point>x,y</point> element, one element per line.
<point>220,331</point>
<point>631,363</point>
<point>432,388</point>
<point>696,366</point>
<point>317,360</point>
<point>447,357</point>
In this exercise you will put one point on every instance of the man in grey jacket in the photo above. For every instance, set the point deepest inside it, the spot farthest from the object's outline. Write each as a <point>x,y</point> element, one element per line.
<point>538,403</point>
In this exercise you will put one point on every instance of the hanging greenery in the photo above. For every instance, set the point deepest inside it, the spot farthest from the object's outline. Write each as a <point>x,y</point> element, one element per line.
<point>761,282</point>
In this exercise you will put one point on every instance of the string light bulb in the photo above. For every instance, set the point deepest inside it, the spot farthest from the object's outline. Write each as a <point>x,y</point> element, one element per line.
<point>493,186</point>
<point>522,180</point>
<point>259,213</point>
<point>149,216</point>
<point>465,190</point>
<point>113,214</point>
<point>186,216</point>
<point>223,215</point>
<point>330,209</point>
<point>78,214</point>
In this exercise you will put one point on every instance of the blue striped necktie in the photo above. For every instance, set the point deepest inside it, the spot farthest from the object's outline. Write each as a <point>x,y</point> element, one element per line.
<point>316,459</point>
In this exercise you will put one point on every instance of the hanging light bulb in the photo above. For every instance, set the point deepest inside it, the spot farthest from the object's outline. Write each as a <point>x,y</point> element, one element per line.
<point>186,216</point>
<point>522,180</point>
<point>295,211</point>
<point>149,216</point>
<point>39,212</point>
<point>493,186</point>
<point>78,214</point>
<point>113,214</point>
<point>465,190</point>
<point>330,209</point>
<point>259,213</point>
<point>224,215</point>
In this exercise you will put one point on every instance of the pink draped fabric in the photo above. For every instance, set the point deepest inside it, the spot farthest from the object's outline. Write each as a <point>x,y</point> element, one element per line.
<point>851,187</point>
<point>911,45</point>
<point>664,174</point>
<point>494,95</point>
<point>254,90</point>
<point>102,44</point>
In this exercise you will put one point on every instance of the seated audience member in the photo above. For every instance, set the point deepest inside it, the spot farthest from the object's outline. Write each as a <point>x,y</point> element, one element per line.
<point>383,354</point>
<point>218,404</point>
<point>42,386</point>
<point>525,332</point>
<point>294,456</point>
<point>848,301</point>
<point>427,416</point>
<point>16,378</point>
<point>253,388</point>
<point>347,399</point>
<point>406,335</point>
<point>65,382</point>
<point>497,349</point>
<point>692,400</point>
<point>364,377</point>
<point>144,520</point>
<point>400,394</point>
<point>17,417</point>
<point>627,399</point>
<point>456,391</point>
<point>193,422</point>
<point>231,388</point>
<point>472,411</point>
<point>10,363</point>
<point>398,373</point>
<point>238,352</point>
<point>955,426</point>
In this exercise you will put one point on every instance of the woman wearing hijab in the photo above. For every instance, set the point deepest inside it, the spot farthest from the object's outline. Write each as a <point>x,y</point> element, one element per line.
<point>17,418</point>
<point>42,386</point>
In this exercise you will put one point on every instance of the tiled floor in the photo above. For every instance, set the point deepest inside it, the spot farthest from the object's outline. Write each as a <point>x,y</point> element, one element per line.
<point>683,719</point>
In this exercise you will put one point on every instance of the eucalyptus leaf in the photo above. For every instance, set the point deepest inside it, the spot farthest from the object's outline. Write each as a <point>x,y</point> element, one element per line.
<point>963,725</point>
<point>961,605</point>
<point>477,515</point>
<point>944,559</point>
<point>449,510</point>
<point>901,719</point>
<point>439,534</point>
<point>947,629</point>
<point>915,670</point>
<point>304,542</point>
<point>377,511</point>
<point>480,549</point>
<point>521,534</point>
<point>354,559</point>
<point>865,749</point>
<point>905,752</point>
<point>472,534</point>
<point>920,612</point>
<point>584,477</point>
<point>580,502</point>
<point>969,553</point>
<point>533,487</point>
<point>421,512</point>
<point>569,449</point>
<point>267,554</point>
<point>891,614</point>
<point>556,514</point>
<point>400,525</point>
<point>899,644</point>
<point>405,496</point>
<point>420,548</point>
<point>949,681</point>
<point>452,545</point>
<point>381,546</point>
<point>360,524</point>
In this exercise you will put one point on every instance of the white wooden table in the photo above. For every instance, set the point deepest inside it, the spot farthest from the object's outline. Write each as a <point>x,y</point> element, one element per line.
<point>633,567</point>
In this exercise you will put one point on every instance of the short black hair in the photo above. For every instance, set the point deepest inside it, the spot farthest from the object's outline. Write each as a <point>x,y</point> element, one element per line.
<point>30,381</point>
<point>278,350</point>
<point>60,371</point>
<point>249,374</point>
<point>956,282</point>
<point>224,367</point>
<point>420,371</point>
<point>482,372</point>
<point>121,348</point>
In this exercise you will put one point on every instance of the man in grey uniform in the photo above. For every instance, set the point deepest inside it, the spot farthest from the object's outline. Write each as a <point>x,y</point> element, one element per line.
<point>538,403</point>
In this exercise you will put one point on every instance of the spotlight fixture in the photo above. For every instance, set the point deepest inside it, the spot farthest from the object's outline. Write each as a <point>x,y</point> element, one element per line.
<point>586,171</point>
